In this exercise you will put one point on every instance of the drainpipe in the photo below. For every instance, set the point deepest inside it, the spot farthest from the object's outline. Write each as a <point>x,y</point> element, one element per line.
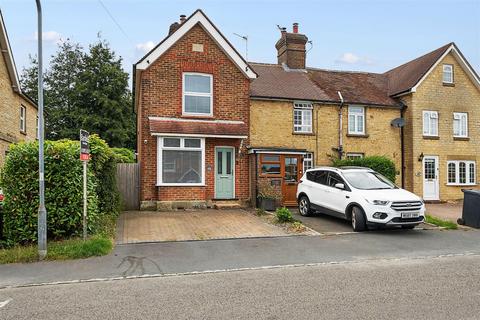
<point>402,143</point>
<point>340,126</point>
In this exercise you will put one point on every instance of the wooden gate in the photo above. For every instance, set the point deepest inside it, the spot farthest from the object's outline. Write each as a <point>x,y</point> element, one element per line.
<point>128,182</point>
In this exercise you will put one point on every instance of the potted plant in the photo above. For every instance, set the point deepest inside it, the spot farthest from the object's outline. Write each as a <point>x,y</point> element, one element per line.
<point>268,195</point>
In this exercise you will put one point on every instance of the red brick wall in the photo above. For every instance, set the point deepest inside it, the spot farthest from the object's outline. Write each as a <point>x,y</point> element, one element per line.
<point>161,96</point>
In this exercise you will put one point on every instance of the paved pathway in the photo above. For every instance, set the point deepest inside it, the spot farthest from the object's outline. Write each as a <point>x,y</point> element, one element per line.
<point>142,226</point>
<point>446,211</point>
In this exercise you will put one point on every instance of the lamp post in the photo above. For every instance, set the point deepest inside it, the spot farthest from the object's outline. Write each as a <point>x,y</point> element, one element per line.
<point>42,211</point>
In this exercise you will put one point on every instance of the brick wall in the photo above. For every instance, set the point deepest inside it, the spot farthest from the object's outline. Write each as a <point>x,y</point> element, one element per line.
<point>10,114</point>
<point>433,95</point>
<point>161,95</point>
<point>272,126</point>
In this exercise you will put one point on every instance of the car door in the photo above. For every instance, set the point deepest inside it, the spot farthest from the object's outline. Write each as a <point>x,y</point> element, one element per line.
<point>318,189</point>
<point>337,197</point>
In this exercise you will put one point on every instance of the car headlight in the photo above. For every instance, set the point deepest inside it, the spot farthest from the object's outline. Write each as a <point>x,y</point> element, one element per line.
<point>378,202</point>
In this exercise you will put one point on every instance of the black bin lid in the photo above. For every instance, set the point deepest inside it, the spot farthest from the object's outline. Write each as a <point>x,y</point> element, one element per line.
<point>472,192</point>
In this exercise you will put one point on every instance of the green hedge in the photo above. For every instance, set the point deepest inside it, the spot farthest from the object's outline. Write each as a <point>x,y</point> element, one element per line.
<point>63,189</point>
<point>381,164</point>
<point>124,155</point>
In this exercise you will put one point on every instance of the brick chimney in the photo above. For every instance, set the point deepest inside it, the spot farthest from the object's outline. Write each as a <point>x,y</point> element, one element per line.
<point>174,26</point>
<point>291,48</point>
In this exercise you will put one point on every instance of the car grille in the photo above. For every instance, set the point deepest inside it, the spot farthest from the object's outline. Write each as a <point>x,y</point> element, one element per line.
<point>401,220</point>
<point>406,205</point>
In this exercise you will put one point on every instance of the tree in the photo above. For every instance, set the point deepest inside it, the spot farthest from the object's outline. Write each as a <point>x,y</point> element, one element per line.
<point>85,90</point>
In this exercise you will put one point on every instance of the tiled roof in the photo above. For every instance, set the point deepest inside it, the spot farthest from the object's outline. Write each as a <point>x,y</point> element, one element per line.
<point>275,81</point>
<point>406,76</point>
<point>212,128</point>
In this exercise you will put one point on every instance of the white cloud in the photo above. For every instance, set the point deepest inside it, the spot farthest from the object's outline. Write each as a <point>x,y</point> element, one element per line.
<point>49,36</point>
<point>145,46</point>
<point>351,58</point>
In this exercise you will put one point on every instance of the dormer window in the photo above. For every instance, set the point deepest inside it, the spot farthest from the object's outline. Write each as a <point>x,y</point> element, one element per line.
<point>197,94</point>
<point>448,73</point>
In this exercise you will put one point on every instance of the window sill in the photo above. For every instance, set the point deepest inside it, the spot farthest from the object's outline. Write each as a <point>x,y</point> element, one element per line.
<point>194,116</point>
<point>303,133</point>
<point>461,138</point>
<point>357,135</point>
<point>461,185</point>
<point>448,84</point>
<point>180,185</point>
<point>431,137</point>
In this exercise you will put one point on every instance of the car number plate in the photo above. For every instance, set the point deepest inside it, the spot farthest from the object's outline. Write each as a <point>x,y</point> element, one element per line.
<point>406,215</point>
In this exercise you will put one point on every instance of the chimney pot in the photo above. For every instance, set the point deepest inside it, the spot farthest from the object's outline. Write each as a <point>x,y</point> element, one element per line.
<point>284,30</point>
<point>183,18</point>
<point>295,27</point>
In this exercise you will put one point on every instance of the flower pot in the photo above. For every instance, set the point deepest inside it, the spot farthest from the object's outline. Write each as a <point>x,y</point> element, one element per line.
<point>267,204</point>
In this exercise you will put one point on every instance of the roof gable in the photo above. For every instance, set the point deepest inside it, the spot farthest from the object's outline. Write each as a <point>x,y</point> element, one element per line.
<point>198,17</point>
<point>8,56</point>
<point>407,77</point>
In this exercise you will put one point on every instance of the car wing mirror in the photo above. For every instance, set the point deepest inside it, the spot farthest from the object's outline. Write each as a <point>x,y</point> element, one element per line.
<point>340,186</point>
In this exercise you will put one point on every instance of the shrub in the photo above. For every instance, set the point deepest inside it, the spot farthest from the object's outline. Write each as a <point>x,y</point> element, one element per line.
<point>104,166</point>
<point>380,164</point>
<point>267,191</point>
<point>284,215</point>
<point>63,192</point>
<point>123,155</point>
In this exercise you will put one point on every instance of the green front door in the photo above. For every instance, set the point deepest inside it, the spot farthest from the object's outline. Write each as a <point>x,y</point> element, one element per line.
<point>224,171</point>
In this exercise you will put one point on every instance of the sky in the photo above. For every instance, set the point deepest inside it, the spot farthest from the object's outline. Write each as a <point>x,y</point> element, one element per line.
<point>364,35</point>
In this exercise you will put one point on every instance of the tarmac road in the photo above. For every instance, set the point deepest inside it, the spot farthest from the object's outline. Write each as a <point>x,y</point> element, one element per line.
<point>405,288</point>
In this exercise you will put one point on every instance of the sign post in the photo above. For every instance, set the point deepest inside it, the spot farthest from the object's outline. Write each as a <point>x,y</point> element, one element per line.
<point>84,156</point>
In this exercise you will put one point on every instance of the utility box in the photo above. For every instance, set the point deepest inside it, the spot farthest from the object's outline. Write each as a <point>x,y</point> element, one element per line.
<point>471,208</point>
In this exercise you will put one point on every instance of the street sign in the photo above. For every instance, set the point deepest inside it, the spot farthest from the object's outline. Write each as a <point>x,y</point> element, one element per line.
<point>84,156</point>
<point>84,148</point>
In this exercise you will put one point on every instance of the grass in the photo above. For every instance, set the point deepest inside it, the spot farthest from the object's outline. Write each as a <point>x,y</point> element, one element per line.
<point>97,245</point>
<point>59,250</point>
<point>440,222</point>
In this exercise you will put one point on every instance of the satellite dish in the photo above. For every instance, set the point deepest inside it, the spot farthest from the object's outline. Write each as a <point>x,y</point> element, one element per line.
<point>398,122</point>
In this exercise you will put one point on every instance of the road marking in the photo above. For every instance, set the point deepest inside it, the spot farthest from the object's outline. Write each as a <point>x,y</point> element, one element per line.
<point>4,303</point>
<point>287,266</point>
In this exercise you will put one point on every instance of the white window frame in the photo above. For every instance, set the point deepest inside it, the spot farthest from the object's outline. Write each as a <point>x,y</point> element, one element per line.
<point>182,147</point>
<point>356,116</point>
<point>308,157</point>
<point>460,117</point>
<point>304,108</point>
<point>23,119</point>
<point>467,173</point>
<point>448,73</point>
<point>354,155</point>
<point>431,115</point>
<point>199,94</point>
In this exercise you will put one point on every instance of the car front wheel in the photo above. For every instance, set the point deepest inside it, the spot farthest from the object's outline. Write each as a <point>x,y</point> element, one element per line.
<point>304,206</point>
<point>358,220</point>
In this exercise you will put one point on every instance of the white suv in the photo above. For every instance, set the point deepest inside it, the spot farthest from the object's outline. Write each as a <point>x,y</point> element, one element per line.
<point>360,195</point>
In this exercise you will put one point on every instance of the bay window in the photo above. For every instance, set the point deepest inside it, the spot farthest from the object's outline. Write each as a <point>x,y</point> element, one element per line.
<point>461,172</point>
<point>181,161</point>
<point>197,94</point>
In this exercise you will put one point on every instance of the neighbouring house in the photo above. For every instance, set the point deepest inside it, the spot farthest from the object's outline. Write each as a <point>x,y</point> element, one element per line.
<point>210,125</point>
<point>192,104</point>
<point>18,113</point>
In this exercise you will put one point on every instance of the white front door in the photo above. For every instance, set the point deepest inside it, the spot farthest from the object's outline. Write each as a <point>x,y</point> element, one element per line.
<point>430,178</point>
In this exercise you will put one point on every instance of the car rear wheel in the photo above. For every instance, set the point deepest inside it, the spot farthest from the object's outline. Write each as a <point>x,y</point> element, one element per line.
<point>358,219</point>
<point>304,206</point>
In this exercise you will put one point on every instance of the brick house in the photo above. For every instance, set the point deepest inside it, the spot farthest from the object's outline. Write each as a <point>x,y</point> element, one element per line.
<point>18,113</point>
<point>192,105</point>
<point>273,121</point>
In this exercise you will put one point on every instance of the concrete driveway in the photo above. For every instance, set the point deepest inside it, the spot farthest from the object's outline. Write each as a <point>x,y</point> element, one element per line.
<point>446,211</point>
<point>145,226</point>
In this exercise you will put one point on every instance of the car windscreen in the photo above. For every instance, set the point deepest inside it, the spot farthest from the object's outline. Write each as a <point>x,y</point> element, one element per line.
<point>367,180</point>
